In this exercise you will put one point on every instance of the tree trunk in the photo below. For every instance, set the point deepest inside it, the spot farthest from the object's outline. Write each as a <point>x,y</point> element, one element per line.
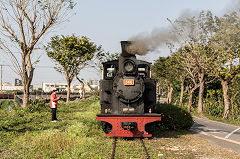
<point>68,89</point>
<point>200,97</point>
<point>83,90</point>
<point>27,76</point>
<point>25,95</point>
<point>190,100</point>
<point>159,88</point>
<point>170,90</point>
<point>182,91</point>
<point>226,98</point>
<point>234,106</point>
<point>200,94</point>
<point>82,87</point>
<point>168,94</point>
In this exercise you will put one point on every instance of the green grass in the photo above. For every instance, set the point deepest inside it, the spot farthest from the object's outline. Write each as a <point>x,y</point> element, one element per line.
<point>229,120</point>
<point>27,134</point>
<point>30,134</point>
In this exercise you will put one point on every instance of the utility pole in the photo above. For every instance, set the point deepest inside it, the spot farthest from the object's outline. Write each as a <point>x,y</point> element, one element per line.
<point>1,78</point>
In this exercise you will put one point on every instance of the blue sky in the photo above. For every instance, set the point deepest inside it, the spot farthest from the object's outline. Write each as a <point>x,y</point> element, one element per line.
<point>107,22</point>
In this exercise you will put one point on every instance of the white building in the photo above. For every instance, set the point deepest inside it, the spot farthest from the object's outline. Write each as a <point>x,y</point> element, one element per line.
<point>48,87</point>
<point>10,87</point>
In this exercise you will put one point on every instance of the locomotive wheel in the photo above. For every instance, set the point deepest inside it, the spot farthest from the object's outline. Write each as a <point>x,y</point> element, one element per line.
<point>107,128</point>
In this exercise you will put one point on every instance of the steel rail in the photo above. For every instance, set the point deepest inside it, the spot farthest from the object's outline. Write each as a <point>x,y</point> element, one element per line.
<point>145,149</point>
<point>114,147</point>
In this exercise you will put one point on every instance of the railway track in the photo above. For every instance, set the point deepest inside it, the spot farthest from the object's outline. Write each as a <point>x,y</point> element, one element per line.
<point>115,145</point>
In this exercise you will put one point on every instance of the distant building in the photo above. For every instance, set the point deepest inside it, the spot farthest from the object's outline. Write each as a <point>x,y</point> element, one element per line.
<point>7,84</point>
<point>9,87</point>
<point>37,87</point>
<point>48,87</point>
<point>18,82</point>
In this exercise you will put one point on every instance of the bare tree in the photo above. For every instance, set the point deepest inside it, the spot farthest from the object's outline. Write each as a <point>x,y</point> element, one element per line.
<point>23,23</point>
<point>193,34</point>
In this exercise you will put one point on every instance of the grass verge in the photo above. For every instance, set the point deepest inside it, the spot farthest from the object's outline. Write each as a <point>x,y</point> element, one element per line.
<point>228,121</point>
<point>28,134</point>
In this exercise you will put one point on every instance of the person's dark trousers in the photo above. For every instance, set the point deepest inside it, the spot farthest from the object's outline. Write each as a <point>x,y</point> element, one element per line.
<point>54,114</point>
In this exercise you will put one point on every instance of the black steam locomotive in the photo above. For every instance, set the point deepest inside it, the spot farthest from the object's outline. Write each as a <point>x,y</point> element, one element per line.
<point>127,96</point>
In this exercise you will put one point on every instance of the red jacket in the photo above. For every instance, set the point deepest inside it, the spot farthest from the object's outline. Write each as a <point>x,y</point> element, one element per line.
<point>53,101</point>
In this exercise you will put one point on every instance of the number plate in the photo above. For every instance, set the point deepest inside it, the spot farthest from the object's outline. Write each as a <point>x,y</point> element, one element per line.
<point>128,82</point>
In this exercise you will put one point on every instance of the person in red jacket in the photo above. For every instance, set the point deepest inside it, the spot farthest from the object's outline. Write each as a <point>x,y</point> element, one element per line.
<point>53,104</point>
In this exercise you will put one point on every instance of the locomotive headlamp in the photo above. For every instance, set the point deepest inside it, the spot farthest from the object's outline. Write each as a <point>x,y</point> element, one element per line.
<point>141,69</point>
<point>129,66</point>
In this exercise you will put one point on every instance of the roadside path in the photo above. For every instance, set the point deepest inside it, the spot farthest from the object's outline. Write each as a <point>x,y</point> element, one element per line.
<point>221,134</point>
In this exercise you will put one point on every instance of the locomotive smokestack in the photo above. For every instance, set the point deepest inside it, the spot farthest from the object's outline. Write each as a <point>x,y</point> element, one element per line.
<point>125,48</point>
<point>131,48</point>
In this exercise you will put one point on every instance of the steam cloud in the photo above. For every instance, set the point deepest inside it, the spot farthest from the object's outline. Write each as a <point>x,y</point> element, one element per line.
<point>144,43</point>
<point>234,5</point>
<point>148,42</point>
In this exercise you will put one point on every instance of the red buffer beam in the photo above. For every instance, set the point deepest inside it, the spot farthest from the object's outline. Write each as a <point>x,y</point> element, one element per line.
<point>138,131</point>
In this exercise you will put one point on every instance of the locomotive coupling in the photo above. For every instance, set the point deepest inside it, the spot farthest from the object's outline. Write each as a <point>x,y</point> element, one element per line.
<point>129,125</point>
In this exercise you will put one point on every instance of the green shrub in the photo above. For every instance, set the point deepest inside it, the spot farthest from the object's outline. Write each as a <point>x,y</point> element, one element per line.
<point>38,105</point>
<point>174,118</point>
<point>19,117</point>
<point>4,104</point>
<point>215,110</point>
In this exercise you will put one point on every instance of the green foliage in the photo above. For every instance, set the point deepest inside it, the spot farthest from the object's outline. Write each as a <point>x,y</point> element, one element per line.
<point>174,117</point>
<point>214,102</point>
<point>71,55</point>
<point>208,48</point>
<point>71,52</point>
<point>4,104</point>
<point>226,43</point>
<point>15,119</point>
<point>37,105</point>
<point>165,68</point>
<point>215,110</point>
<point>230,121</point>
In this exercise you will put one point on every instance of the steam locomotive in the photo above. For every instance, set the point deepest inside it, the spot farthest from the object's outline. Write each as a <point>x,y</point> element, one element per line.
<point>127,96</point>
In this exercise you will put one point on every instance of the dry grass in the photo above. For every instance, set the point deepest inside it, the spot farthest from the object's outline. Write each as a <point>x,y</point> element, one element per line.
<point>186,146</point>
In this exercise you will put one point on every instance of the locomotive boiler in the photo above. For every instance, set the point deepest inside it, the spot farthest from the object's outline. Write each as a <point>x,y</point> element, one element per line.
<point>127,96</point>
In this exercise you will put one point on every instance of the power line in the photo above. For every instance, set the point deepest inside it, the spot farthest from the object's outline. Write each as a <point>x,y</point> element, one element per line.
<point>34,66</point>
<point>44,66</point>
